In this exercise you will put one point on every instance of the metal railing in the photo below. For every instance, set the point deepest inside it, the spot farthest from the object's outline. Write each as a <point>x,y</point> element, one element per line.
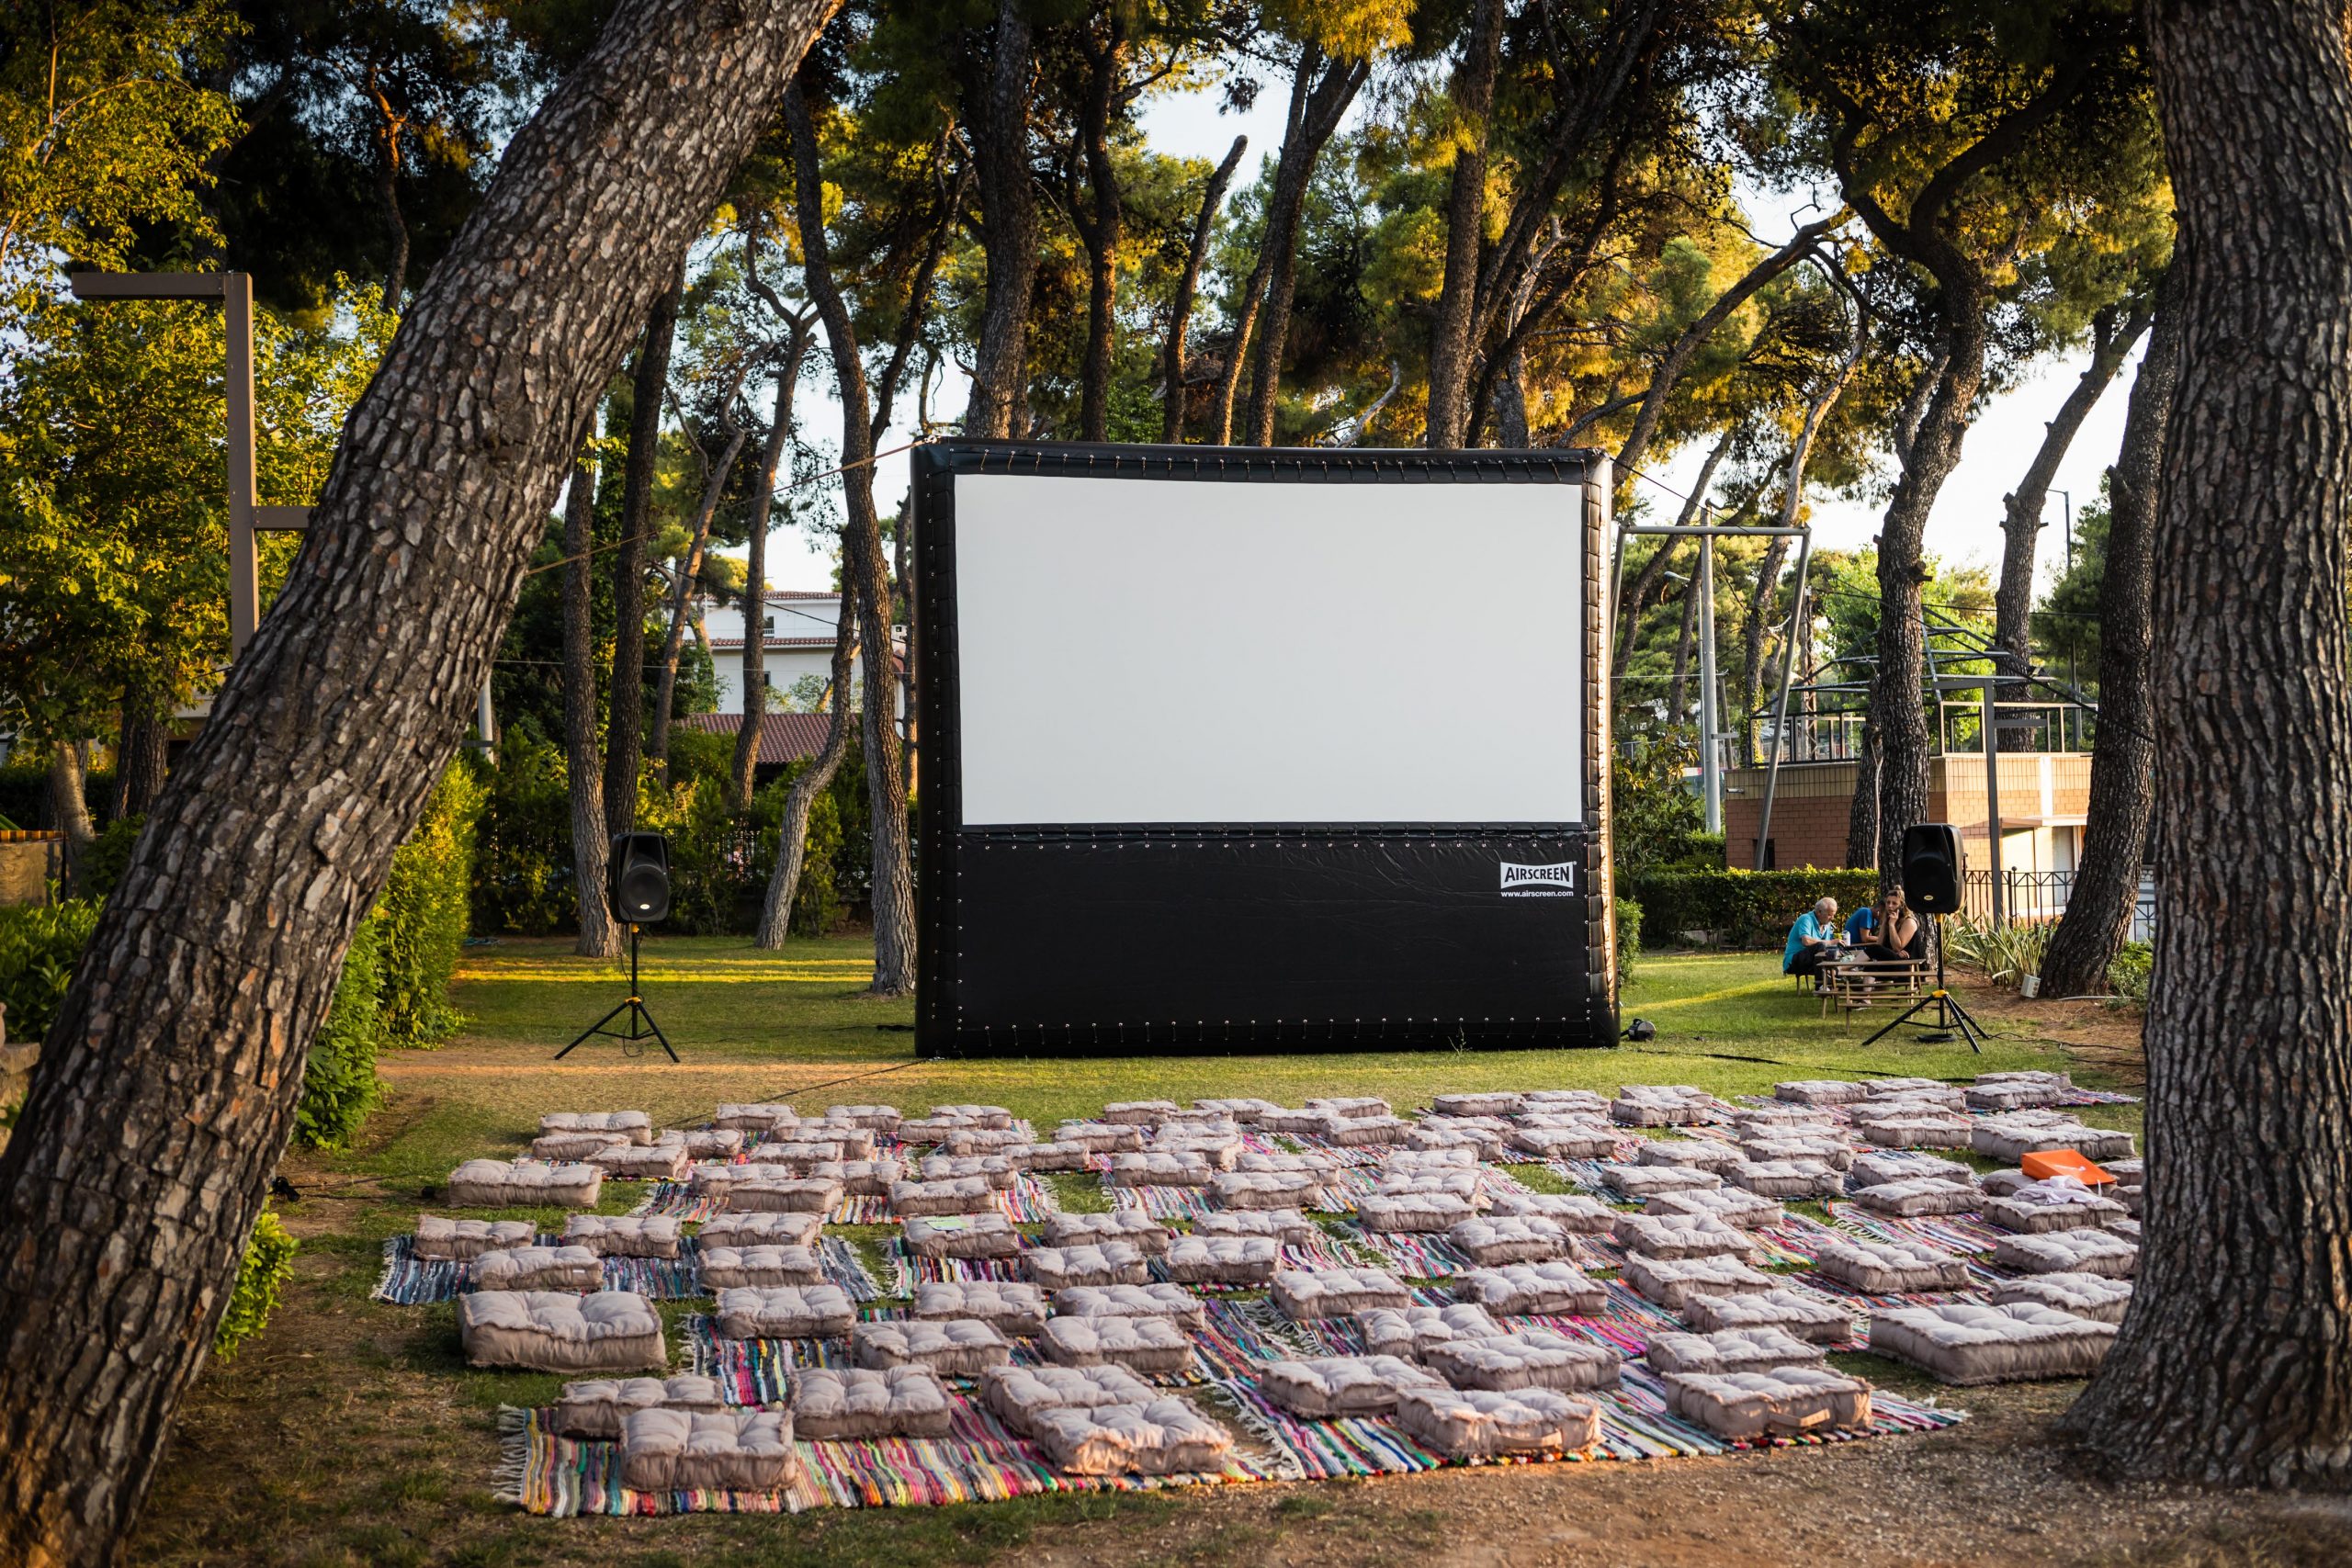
<point>2031,898</point>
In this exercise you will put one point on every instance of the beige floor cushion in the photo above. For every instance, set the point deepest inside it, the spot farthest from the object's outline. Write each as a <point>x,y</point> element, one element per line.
<point>1015,1309</point>
<point>1409,1331</point>
<point>1791,1401</point>
<point>1889,1268</point>
<point>1660,1105</point>
<point>1246,1108</point>
<point>858,1140</point>
<point>1146,1344</point>
<point>1308,1293</point>
<point>1922,1127</point>
<point>784,1311</point>
<point>1508,1238</point>
<point>495,1184</point>
<point>1803,1313</point>
<point>1297,1123</point>
<point>1640,1181</point>
<point>1573,1211</point>
<point>1165,1436</point>
<point>1484,1423</point>
<point>1454,1137</point>
<point>1525,1290</point>
<point>961,1236</point>
<point>1104,1263</point>
<point>995,1170</point>
<point>730,1451</point>
<point>1412,1212</point>
<point>818,1195</point>
<point>1538,1358</point>
<point>760,1230</point>
<point>1453,1179</point>
<point>1138,1112</point>
<point>1670,1282</point>
<point>802,1155</point>
<point>2058,1204</point>
<point>2068,1252</point>
<point>643,1162</point>
<point>561,1147</point>
<point>1287,1162</point>
<point>1146,1234</point>
<point>965,1195</point>
<point>2127,1172</point>
<point>1832,1152</point>
<point>635,1125</point>
<point>1220,1149</point>
<point>1966,1344</point>
<point>863,1177</point>
<point>1158,1298</point>
<point>2001,1183</point>
<point>1786,1179</point>
<point>759,1117</point>
<point>1364,1131</point>
<point>1689,1154</point>
<point>1481,1102</point>
<point>1934,1089</point>
<point>1572,1102</point>
<point>2093,1296</point>
<point>1331,1387</point>
<point>1017,1396</point>
<point>539,1269</point>
<point>975,1115</point>
<point>441,1239</point>
<point>1920,1195</point>
<point>1681,1235</point>
<point>594,1408</point>
<point>1579,1140</point>
<point>624,1235</point>
<point>2015,1134</point>
<point>1821,1091</point>
<point>556,1331</point>
<point>1745,1211</point>
<point>969,1141</point>
<point>1779,1121</point>
<point>1102,1137</point>
<point>2017,1091</point>
<point>707,1143</point>
<point>1288,1226</point>
<point>875,1118</point>
<point>1266,1190</point>
<point>858,1403</point>
<point>1878,1169</point>
<point>953,1347</point>
<point>727,1268</point>
<point>1059,1155</point>
<point>1730,1350</point>
<point>929,1131</point>
<point>1151,1167</point>
<point>1223,1259</point>
<point>1357,1106</point>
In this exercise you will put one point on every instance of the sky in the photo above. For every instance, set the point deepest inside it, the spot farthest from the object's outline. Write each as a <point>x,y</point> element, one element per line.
<point>1964,528</point>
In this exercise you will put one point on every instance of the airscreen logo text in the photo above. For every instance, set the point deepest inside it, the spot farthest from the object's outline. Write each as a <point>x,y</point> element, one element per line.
<point>1556,881</point>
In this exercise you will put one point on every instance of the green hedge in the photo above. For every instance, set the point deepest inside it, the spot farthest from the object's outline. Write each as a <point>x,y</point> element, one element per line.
<point>425,913</point>
<point>269,1263</point>
<point>1744,908</point>
<point>339,1082</point>
<point>38,946</point>
<point>1629,936</point>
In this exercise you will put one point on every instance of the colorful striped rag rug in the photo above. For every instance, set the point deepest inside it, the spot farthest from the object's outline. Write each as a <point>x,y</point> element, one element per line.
<point>410,1280</point>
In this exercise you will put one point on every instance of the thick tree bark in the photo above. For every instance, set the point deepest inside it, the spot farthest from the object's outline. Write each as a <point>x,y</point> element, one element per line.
<point>800,798</point>
<point>1180,314</point>
<point>2112,335</point>
<point>583,759</point>
<point>682,593</point>
<point>625,720</point>
<point>743,772</point>
<point>69,801</point>
<point>168,1085</point>
<point>1098,220</point>
<point>1861,815</point>
<point>139,751</point>
<point>1325,104</point>
<point>998,123</point>
<point>1652,575</point>
<point>1465,212</point>
<point>1253,293</point>
<point>2115,836</point>
<point>2249,1041</point>
<point>866,576</point>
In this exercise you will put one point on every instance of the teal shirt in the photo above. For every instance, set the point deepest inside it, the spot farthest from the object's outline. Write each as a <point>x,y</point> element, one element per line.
<point>1806,926</point>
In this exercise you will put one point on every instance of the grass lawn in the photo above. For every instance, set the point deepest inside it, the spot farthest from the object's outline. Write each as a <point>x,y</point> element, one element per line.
<point>351,1432</point>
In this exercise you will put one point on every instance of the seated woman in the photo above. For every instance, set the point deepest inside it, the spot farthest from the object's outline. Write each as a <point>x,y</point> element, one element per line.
<point>1892,933</point>
<point>1811,939</point>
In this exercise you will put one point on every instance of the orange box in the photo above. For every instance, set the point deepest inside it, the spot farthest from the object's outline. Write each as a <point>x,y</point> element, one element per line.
<point>2047,1162</point>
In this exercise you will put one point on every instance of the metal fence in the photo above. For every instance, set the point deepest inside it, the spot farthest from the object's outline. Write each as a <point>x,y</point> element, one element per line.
<point>2030,898</point>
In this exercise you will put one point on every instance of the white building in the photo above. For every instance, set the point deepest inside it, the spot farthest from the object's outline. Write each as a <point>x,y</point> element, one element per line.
<point>797,629</point>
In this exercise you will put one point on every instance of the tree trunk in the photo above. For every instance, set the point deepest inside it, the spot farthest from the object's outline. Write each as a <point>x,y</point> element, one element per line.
<point>1465,212</point>
<point>168,1085</point>
<point>1326,105</point>
<point>1098,221</point>
<point>1861,816</point>
<point>792,841</point>
<point>745,772</point>
<point>1000,134</point>
<point>2249,1033</point>
<point>600,934</point>
<point>1677,691</point>
<point>1763,606</point>
<point>2112,335</point>
<point>1180,314</point>
<point>674,634</point>
<point>2115,836</point>
<point>139,751</point>
<point>625,721</point>
<point>69,800</point>
<point>1652,575</point>
<point>866,576</point>
<point>388,192</point>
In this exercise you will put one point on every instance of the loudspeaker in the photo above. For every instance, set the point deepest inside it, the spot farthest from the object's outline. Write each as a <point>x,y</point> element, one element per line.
<point>637,877</point>
<point>1932,868</point>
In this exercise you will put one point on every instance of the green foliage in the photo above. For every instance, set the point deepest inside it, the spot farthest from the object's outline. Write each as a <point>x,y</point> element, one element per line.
<point>269,1263</point>
<point>39,946</point>
<point>522,880</point>
<point>107,857</point>
<point>339,1083</point>
<point>1656,819</point>
<point>2131,972</point>
<point>424,911</point>
<point>1629,936</point>
<point>2006,953</point>
<point>1742,907</point>
<point>711,869</point>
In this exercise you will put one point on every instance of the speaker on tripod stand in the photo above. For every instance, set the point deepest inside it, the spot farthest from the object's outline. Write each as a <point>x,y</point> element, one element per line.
<point>1933,875</point>
<point>636,881</point>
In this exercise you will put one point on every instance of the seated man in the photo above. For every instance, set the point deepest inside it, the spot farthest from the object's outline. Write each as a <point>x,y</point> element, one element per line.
<point>1811,939</point>
<point>1890,933</point>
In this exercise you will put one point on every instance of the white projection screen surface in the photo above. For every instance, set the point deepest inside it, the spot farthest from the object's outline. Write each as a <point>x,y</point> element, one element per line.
<point>1184,651</point>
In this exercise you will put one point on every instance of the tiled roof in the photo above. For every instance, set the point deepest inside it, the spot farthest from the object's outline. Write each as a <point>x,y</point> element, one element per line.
<point>786,643</point>
<point>784,736</point>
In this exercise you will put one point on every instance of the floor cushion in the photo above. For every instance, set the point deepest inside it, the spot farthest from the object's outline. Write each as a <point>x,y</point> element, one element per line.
<point>1167,1437</point>
<point>1223,1259</point>
<point>1409,1331</point>
<point>1152,1167</point>
<point>953,1347</point>
<point>1803,1313</point>
<point>728,1451</point>
<point>1747,1210</point>
<point>1889,1267</point>
<point>2001,1183</point>
<point>1777,1121</point>
<point>725,1268</point>
<point>1137,1112</point>
<point>1916,1091</point>
<point>1791,1402</point>
<point>863,1177</point>
<point>1413,1214</point>
<point>730,1229</point>
<point>757,1118</point>
<point>1330,1386</point>
<point>1524,1290</point>
<point>1014,1308</point>
<point>785,1194</point>
<point>1058,1156</point>
<point>643,1162</point>
<point>1481,1102</point>
<point>2058,1204</point>
<point>1879,1168</point>
<point>539,1269</point>
<point>594,1408</point>
<point>1760,1349</point>
<point>1245,1110</point>
<point>1821,1091</point>
<point>857,1404</point>
<point>1670,1282</point>
<point>1288,1226</point>
<point>1921,1128</point>
<point>1483,1423</point>
<point>1133,1227</point>
<point>1454,1137</point>
<point>2015,1091</point>
<point>1681,1235</point>
<point>634,1125</point>
<point>1102,1137</point>
<point>927,1131</point>
<point>440,1239</point>
<point>976,1115</point>
<point>1572,1211</point>
<point>1640,1181</point>
<point>1158,1298</point>
<point>961,1236</point>
<point>1219,1148</point>
<point>1266,1190</point>
<point>2068,1252</point>
<point>561,1147</point>
<point>1508,1238</point>
<point>964,1195</point>
<point>1967,1343</point>
<point>1359,1106</point>
<point>969,1141</point>
<point>1690,1154</point>
<point>1359,1131</point>
<point>1104,1263</point>
<point>995,1170</point>
<point>1538,1359</point>
<point>1574,1100</point>
<point>1786,1179</point>
<point>1920,1195</point>
<point>784,1311</point>
<point>708,1142</point>
<point>1640,1107</point>
<point>1146,1344</point>
<point>1017,1396</point>
<point>1580,1140</point>
<point>2013,1136</point>
<point>2086,1295</point>
<point>875,1118</point>
<point>495,1184</point>
<point>556,1331</point>
<point>801,1155</point>
<point>1832,1152</point>
<point>624,1235</point>
<point>1308,1294</point>
<point>1287,1162</point>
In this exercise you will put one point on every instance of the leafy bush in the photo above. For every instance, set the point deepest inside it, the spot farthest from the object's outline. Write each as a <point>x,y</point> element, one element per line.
<point>268,1263</point>
<point>2130,971</point>
<point>2006,953</point>
<point>425,911</point>
<point>1629,936</point>
<point>39,946</point>
<point>339,1084</point>
<point>102,864</point>
<point>1752,908</point>
<point>522,881</point>
<point>1654,820</point>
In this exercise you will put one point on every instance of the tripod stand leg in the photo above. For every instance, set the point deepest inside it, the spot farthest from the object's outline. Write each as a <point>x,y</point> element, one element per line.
<point>595,1029</point>
<point>651,1030</point>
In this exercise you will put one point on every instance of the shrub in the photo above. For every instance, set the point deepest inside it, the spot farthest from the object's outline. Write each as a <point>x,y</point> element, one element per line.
<point>269,1263</point>
<point>1750,909</point>
<point>339,1084</point>
<point>1629,936</point>
<point>2006,953</point>
<point>1654,820</point>
<point>522,877</point>
<point>425,911</point>
<point>2130,971</point>
<point>38,946</point>
<point>101,865</point>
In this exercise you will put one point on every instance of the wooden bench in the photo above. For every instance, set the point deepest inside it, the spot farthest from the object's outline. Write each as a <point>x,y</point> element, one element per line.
<point>1872,982</point>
